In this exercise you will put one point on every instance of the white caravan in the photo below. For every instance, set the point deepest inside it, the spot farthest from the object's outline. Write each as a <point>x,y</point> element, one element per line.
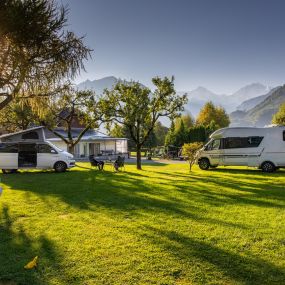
<point>257,147</point>
<point>29,155</point>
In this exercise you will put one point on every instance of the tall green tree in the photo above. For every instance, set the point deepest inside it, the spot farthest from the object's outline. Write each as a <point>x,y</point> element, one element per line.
<point>279,117</point>
<point>186,119</point>
<point>16,116</point>
<point>180,135</point>
<point>210,115</point>
<point>117,131</point>
<point>160,132</point>
<point>121,131</point>
<point>136,107</point>
<point>170,136</point>
<point>37,53</point>
<point>71,107</point>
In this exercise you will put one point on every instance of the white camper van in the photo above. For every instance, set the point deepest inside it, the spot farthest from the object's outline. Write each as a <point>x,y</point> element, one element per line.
<point>29,149</point>
<point>29,155</point>
<point>257,147</point>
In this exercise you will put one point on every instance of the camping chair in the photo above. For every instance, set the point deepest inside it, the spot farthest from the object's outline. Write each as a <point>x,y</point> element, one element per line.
<point>96,163</point>
<point>119,163</point>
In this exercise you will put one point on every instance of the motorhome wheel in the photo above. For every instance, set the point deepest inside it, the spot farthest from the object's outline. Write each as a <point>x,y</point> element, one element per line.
<point>268,166</point>
<point>204,163</point>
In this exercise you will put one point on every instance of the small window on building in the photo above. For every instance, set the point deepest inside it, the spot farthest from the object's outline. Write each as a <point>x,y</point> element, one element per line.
<point>30,136</point>
<point>8,148</point>
<point>45,148</point>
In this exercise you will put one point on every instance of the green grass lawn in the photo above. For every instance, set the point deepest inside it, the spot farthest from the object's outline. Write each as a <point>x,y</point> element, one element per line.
<point>161,225</point>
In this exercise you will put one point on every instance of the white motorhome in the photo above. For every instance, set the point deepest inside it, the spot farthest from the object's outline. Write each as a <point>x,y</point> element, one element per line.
<point>256,147</point>
<point>28,150</point>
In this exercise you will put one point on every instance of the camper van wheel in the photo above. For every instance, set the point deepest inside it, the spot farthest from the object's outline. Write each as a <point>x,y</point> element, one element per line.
<point>8,171</point>
<point>60,166</point>
<point>204,163</point>
<point>268,166</point>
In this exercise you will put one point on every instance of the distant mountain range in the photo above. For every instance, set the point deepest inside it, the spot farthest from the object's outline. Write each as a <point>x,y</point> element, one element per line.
<point>251,105</point>
<point>98,85</point>
<point>261,114</point>
<point>198,97</point>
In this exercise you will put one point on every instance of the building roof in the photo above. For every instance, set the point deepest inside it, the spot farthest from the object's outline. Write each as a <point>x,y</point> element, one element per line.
<point>88,136</point>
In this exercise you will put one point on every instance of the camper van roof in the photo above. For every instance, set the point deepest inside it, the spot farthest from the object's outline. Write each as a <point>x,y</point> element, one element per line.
<point>243,131</point>
<point>21,132</point>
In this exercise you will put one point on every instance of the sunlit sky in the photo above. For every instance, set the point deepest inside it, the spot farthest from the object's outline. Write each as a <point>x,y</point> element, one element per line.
<point>219,44</point>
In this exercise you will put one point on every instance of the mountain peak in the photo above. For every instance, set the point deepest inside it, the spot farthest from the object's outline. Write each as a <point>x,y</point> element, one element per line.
<point>98,85</point>
<point>202,89</point>
<point>249,91</point>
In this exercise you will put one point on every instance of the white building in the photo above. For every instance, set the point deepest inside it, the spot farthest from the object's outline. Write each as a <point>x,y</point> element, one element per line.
<point>92,142</point>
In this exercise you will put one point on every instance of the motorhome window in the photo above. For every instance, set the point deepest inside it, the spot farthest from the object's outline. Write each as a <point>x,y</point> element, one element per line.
<point>30,136</point>
<point>283,135</point>
<point>45,148</point>
<point>215,144</point>
<point>242,142</point>
<point>8,148</point>
<point>254,141</point>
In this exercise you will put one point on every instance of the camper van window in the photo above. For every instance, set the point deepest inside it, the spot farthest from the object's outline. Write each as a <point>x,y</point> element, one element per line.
<point>44,148</point>
<point>30,136</point>
<point>244,142</point>
<point>8,148</point>
<point>283,135</point>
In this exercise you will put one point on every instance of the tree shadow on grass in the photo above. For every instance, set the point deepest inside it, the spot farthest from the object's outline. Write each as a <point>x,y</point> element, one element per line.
<point>259,189</point>
<point>17,248</point>
<point>123,193</point>
<point>239,268</point>
<point>129,193</point>
<point>129,190</point>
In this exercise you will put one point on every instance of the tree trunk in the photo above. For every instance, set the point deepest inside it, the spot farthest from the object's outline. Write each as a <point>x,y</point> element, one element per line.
<point>139,158</point>
<point>6,101</point>
<point>71,149</point>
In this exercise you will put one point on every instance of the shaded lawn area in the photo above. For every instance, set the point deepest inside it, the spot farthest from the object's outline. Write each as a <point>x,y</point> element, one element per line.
<point>161,225</point>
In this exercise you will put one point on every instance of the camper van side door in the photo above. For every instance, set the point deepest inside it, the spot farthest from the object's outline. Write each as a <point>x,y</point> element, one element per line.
<point>47,156</point>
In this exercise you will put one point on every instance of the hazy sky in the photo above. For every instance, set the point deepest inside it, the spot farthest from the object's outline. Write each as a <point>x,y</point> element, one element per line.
<point>218,44</point>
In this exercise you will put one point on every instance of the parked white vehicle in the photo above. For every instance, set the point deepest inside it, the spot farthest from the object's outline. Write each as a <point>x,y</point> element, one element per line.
<point>29,155</point>
<point>257,147</point>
